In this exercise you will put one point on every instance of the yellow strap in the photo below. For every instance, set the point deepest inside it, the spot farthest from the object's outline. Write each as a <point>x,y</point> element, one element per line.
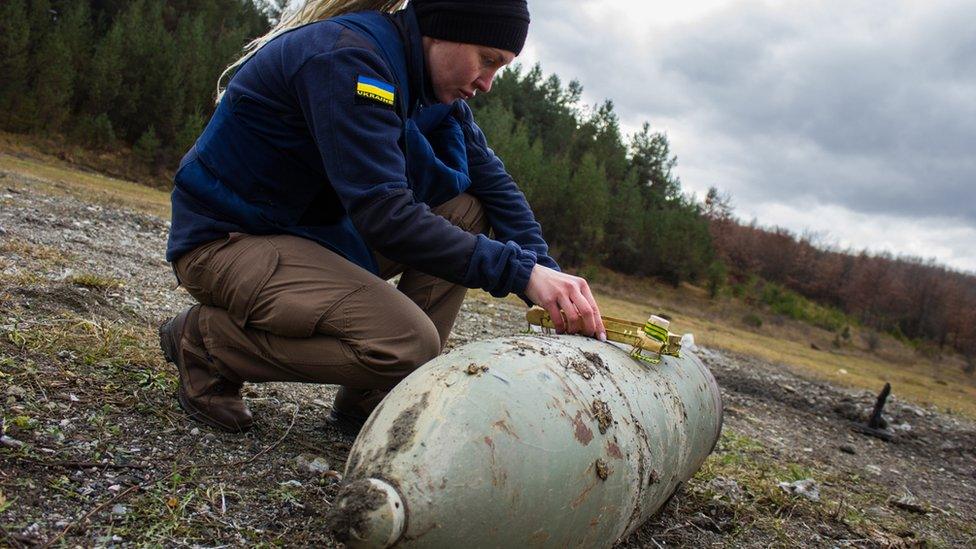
<point>622,331</point>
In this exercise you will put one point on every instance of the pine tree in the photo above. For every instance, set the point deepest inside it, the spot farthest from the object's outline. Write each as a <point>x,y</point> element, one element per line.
<point>95,131</point>
<point>624,243</point>
<point>53,80</point>
<point>193,124</point>
<point>146,147</point>
<point>192,62</point>
<point>584,206</point>
<point>103,82</point>
<point>14,62</point>
<point>607,142</point>
<point>76,33</point>
<point>653,163</point>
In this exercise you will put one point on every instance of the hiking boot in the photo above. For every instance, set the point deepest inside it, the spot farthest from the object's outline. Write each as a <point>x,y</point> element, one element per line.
<point>352,407</point>
<point>204,395</point>
<point>346,423</point>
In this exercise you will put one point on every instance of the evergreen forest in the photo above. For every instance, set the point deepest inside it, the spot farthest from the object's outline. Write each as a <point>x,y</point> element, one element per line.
<point>139,76</point>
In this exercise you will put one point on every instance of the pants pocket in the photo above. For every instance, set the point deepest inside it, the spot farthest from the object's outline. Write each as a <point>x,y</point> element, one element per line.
<point>231,275</point>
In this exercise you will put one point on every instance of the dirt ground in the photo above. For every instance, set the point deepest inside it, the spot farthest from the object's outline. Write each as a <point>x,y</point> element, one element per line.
<point>96,452</point>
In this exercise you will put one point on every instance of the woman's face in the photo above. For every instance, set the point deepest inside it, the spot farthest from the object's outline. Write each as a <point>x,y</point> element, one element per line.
<point>458,71</point>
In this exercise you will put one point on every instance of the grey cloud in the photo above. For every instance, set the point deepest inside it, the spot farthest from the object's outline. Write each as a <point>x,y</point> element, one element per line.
<point>871,106</point>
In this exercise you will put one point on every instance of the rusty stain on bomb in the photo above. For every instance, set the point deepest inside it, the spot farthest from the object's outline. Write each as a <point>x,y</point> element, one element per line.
<point>582,432</point>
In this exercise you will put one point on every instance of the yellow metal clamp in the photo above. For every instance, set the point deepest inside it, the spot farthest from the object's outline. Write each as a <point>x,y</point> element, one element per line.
<point>648,341</point>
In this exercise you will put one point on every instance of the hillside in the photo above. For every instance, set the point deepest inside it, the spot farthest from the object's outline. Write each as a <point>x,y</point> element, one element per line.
<point>96,450</point>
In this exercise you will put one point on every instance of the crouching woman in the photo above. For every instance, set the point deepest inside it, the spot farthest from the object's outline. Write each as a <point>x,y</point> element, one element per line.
<point>343,153</point>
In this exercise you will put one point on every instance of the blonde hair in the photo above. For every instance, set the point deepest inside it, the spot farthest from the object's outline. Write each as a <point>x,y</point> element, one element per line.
<point>310,12</point>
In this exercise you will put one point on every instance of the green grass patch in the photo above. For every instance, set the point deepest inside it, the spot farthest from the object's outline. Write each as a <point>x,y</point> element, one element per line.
<point>121,358</point>
<point>783,301</point>
<point>166,511</point>
<point>93,341</point>
<point>752,320</point>
<point>5,503</point>
<point>740,481</point>
<point>739,486</point>
<point>94,282</point>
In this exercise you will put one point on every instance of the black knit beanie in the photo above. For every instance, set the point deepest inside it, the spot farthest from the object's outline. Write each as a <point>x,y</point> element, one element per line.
<point>501,24</point>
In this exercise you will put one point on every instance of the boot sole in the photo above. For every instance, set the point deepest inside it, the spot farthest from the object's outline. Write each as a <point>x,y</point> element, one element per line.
<point>345,424</point>
<point>196,415</point>
<point>168,346</point>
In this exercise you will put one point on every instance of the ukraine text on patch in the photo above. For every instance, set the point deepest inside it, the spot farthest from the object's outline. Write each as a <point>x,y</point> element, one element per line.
<point>374,92</point>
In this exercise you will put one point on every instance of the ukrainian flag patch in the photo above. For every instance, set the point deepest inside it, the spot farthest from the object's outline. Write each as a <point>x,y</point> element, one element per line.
<point>370,91</point>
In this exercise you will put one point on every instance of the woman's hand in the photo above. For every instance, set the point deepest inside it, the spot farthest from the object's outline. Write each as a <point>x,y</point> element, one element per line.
<point>553,290</point>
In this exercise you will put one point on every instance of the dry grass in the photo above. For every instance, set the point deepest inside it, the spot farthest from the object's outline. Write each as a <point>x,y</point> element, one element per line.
<point>738,491</point>
<point>717,323</point>
<point>44,254</point>
<point>94,281</point>
<point>16,255</point>
<point>56,177</point>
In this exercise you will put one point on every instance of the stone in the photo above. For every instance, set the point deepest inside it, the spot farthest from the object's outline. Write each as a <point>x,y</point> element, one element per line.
<point>910,503</point>
<point>316,465</point>
<point>726,488</point>
<point>878,513</point>
<point>8,442</point>
<point>807,488</point>
<point>848,449</point>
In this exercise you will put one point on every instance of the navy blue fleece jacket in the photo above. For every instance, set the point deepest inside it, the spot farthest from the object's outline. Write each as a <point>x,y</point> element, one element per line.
<point>293,148</point>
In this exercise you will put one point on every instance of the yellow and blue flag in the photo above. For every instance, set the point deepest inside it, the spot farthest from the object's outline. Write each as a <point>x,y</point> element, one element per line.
<point>372,91</point>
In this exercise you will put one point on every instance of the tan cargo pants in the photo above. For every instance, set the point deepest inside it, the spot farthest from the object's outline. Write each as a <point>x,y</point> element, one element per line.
<point>284,308</point>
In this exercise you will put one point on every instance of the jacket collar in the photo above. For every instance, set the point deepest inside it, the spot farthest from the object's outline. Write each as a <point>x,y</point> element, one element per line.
<point>421,89</point>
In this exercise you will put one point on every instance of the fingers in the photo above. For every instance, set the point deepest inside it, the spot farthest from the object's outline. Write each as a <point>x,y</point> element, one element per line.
<point>582,313</point>
<point>557,318</point>
<point>599,331</point>
<point>568,300</point>
<point>572,315</point>
<point>588,320</point>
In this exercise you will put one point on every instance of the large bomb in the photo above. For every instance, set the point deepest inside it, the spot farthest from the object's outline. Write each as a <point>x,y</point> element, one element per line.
<point>532,440</point>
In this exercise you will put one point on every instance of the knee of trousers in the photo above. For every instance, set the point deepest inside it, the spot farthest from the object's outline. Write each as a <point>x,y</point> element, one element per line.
<point>414,344</point>
<point>466,212</point>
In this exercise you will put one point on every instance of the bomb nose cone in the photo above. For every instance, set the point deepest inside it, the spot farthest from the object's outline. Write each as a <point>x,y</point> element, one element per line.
<point>367,513</point>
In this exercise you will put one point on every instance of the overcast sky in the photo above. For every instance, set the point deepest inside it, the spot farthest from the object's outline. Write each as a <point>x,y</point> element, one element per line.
<point>852,119</point>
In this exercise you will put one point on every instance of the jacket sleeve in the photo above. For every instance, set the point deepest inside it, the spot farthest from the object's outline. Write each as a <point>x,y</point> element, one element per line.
<point>359,144</point>
<point>506,206</point>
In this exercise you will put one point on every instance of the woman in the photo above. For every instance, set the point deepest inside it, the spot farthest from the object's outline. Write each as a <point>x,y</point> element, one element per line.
<point>341,154</point>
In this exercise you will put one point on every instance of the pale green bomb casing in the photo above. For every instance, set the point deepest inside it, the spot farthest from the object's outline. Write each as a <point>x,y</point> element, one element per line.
<point>527,441</point>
